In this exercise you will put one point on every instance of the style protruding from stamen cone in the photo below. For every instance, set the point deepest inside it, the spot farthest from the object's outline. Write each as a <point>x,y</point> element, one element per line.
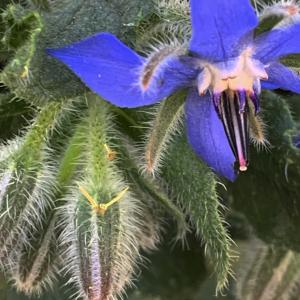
<point>102,207</point>
<point>243,168</point>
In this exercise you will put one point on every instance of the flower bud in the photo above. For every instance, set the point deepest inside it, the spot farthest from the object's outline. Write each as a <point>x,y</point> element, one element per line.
<point>26,180</point>
<point>102,219</point>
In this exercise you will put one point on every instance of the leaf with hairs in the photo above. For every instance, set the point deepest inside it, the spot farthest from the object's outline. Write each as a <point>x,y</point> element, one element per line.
<point>33,75</point>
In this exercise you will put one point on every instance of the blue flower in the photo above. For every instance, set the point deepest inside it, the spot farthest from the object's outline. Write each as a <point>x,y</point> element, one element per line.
<point>224,71</point>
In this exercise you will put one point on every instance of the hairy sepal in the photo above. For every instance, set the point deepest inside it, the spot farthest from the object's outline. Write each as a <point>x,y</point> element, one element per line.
<point>101,250</point>
<point>27,181</point>
<point>277,13</point>
<point>150,192</point>
<point>166,123</point>
<point>172,27</point>
<point>37,260</point>
<point>196,193</point>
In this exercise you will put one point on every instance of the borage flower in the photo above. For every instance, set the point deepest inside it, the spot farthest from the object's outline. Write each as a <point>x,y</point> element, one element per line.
<point>223,70</point>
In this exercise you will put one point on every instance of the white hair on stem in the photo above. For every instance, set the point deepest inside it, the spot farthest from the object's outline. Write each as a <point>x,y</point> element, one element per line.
<point>288,10</point>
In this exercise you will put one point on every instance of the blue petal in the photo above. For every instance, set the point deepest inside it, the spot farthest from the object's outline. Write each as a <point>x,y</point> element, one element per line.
<point>112,70</point>
<point>207,136</point>
<point>281,77</point>
<point>277,43</point>
<point>219,26</point>
<point>296,141</point>
<point>266,85</point>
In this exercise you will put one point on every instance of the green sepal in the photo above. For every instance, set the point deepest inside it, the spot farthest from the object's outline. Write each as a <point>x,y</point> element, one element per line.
<point>147,187</point>
<point>170,22</point>
<point>25,174</point>
<point>68,166</point>
<point>292,61</point>
<point>36,265</point>
<point>164,126</point>
<point>267,24</point>
<point>195,187</point>
<point>19,26</point>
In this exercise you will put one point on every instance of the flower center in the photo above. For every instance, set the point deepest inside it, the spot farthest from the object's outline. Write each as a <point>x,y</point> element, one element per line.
<point>235,86</point>
<point>241,73</point>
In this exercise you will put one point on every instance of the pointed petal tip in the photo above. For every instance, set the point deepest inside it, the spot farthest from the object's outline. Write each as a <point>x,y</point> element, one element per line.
<point>57,53</point>
<point>231,177</point>
<point>50,51</point>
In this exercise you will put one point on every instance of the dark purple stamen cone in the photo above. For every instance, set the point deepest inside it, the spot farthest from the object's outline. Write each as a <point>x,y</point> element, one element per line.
<point>256,102</point>
<point>233,110</point>
<point>217,101</point>
<point>243,100</point>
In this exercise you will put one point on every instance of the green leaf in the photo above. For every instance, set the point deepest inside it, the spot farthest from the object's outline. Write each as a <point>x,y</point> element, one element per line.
<point>33,75</point>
